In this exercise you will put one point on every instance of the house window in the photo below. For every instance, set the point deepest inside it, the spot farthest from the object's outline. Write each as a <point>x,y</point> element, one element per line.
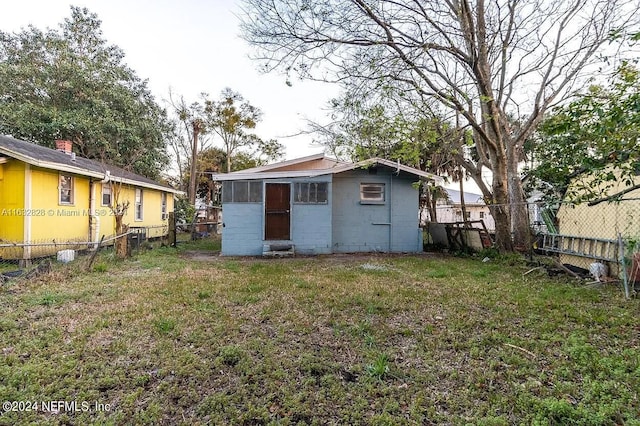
<point>372,193</point>
<point>481,215</point>
<point>66,189</point>
<point>138,204</point>
<point>164,205</point>
<point>467,215</point>
<point>106,194</point>
<point>310,192</point>
<point>242,191</point>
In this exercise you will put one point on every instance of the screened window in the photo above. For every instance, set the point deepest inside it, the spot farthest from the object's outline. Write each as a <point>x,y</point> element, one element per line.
<point>372,193</point>
<point>65,187</point>
<point>138,204</point>
<point>242,191</point>
<point>310,192</point>
<point>227,192</point>
<point>164,205</point>
<point>106,194</point>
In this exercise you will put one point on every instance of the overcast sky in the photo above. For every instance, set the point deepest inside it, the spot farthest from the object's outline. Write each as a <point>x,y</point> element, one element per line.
<point>191,46</point>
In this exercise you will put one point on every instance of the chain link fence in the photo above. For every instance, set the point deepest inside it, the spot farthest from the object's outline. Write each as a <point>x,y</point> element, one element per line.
<point>206,223</point>
<point>597,240</point>
<point>27,260</point>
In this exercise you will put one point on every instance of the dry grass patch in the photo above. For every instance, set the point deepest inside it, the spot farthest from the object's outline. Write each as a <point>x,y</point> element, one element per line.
<point>416,340</point>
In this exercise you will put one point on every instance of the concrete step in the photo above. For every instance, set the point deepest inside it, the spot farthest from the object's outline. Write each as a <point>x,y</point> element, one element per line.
<point>278,250</point>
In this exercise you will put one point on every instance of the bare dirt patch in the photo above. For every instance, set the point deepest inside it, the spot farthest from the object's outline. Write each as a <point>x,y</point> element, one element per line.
<point>209,256</point>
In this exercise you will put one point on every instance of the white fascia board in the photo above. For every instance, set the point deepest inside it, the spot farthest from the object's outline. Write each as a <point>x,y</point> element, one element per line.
<point>249,175</point>
<point>84,172</point>
<point>269,175</point>
<point>131,182</point>
<point>57,166</point>
<point>365,163</point>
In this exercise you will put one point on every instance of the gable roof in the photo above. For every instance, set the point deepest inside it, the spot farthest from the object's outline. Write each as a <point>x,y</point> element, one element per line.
<point>310,162</point>
<point>47,158</point>
<point>275,171</point>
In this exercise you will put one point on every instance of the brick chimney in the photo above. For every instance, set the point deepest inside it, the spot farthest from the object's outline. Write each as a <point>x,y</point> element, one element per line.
<point>64,146</point>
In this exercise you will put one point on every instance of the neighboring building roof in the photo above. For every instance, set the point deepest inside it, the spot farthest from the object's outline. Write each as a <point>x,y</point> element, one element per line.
<point>304,167</point>
<point>47,158</point>
<point>469,197</point>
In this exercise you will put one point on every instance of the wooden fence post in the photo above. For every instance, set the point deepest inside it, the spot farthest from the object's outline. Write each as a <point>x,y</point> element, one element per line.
<point>172,229</point>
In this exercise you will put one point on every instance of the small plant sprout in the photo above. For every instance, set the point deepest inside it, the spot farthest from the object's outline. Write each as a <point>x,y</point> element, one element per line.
<point>379,368</point>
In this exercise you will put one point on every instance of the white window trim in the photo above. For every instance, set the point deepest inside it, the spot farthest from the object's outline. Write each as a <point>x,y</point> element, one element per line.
<point>71,192</point>
<point>135,205</point>
<point>163,206</point>
<point>102,194</point>
<point>380,200</point>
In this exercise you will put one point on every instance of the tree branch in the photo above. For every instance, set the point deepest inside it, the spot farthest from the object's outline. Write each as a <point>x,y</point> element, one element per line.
<point>614,197</point>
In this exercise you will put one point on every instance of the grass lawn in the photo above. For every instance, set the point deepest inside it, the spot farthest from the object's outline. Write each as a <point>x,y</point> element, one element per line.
<point>173,338</point>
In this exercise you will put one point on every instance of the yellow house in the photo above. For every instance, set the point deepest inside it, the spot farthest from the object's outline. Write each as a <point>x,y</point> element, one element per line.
<point>51,197</point>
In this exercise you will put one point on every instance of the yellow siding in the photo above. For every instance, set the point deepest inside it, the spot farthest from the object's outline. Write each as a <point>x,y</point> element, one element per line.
<point>604,220</point>
<point>48,220</point>
<point>12,201</point>
<point>58,222</point>
<point>151,210</point>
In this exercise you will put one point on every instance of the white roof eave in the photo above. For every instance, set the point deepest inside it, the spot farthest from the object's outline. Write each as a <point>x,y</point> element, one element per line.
<point>239,175</point>
<point>253,175</point>
<point>84,172</point>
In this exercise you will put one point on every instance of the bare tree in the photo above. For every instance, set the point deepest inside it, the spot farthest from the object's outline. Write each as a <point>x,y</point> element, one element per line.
<point>485,61</point>
<point>185,143</point>
<point>119,208</point>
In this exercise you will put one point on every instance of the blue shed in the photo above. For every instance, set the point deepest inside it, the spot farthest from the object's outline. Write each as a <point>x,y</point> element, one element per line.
<point>319,205</point>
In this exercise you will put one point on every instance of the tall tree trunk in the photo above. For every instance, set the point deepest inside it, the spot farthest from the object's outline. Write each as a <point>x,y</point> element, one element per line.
<point>193,182</point>
<point>520,227</point>
<point>463,205</point>
<point>499,206</point>
<point>495,128</point>
<point>430,203</point>
<point>433,211</point>
<point>122,246</point>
